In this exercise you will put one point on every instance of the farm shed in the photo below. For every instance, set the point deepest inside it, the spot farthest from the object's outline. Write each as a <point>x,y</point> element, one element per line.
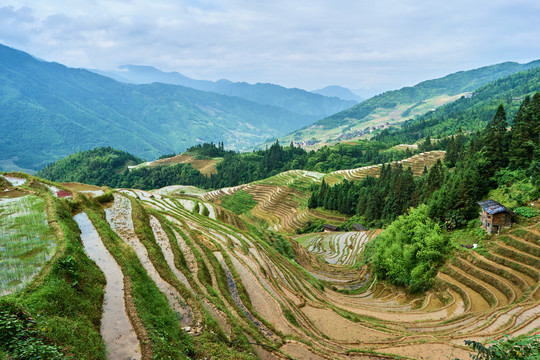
<point>495,216</point>
<point>329,228</point>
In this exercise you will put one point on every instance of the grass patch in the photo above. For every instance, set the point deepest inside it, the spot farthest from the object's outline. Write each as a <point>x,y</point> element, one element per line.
<point>239,203</point>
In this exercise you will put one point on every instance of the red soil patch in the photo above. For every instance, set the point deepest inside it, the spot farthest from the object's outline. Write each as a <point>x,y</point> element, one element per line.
<point>63,193</point>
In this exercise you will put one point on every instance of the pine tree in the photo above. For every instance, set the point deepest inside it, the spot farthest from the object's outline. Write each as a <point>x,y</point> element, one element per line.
<point>521,146</point>
<point>495,143</point>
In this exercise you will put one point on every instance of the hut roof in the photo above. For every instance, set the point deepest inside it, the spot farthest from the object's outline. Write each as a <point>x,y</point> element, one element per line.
<point>331,227</point>
<point>492,207</point>
<point>359,227</point>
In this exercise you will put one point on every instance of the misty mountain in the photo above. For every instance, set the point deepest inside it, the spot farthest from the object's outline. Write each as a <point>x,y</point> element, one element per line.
<point>50,111</point>
<point>296,100</point>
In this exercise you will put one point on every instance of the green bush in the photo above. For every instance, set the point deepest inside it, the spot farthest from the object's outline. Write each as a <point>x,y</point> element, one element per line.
<point>19,337</point>
<point>410,250</point>
<point>527,348</point>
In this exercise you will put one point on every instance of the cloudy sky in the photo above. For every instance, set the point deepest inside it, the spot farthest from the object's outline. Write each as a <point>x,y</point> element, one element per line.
<point>382,45</point>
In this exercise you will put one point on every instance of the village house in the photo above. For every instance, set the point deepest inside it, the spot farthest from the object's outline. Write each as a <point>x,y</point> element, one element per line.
<point>494,216</point>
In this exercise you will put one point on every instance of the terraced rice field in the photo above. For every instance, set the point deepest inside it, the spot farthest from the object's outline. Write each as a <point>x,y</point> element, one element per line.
<point>282,205</point>
<point>416,163</point>
<point>26,242</point>
<point>479,296</point>
<point>340,248</point>
<point>205,166</point>
<point>224,283</point>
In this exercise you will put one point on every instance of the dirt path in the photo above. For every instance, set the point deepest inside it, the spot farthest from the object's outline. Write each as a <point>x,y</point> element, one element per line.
<point>120,338</point>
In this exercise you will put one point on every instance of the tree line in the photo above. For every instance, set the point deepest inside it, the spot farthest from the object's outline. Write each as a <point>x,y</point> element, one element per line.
<point>106,166</point>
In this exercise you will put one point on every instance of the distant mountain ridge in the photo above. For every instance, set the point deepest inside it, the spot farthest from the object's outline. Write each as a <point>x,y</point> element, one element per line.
<point>295,100</point>
<point>50,111</point>
<point>339,92</point>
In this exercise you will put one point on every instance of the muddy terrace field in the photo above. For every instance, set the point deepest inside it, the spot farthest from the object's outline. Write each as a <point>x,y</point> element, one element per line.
<point>185,282</point>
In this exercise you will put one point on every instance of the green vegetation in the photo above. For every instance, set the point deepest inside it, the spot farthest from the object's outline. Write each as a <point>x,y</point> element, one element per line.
<point>239,203</point>
<point>527,212</point>
<point>525,347</point>
<point>19,337</point>
<point>470,114</point>
<point>410,250</point>
<point>95,166</point>
<point>26,242</point>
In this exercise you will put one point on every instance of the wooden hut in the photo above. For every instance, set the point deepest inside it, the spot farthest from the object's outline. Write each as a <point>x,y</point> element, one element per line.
<point>330,228</point>
<point>495,216</point>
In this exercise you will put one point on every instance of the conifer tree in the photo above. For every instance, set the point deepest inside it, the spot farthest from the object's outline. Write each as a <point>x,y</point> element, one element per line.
<point>521,146</point>
<point>495,143</point>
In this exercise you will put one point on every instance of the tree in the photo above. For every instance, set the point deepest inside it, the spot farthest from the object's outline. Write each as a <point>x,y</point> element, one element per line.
<point>495,143</point>
<point>410,250</point>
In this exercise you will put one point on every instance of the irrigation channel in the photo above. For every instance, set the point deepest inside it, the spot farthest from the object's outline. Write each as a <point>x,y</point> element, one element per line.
<point>120,338</point>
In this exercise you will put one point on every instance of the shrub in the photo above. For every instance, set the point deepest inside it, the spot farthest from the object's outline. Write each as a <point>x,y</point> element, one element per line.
<point>527,348</point>
<point>410,250</point>
<point>526,212</point>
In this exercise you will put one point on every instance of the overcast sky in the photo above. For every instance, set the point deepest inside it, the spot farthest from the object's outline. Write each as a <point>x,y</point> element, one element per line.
<point>380,44</point>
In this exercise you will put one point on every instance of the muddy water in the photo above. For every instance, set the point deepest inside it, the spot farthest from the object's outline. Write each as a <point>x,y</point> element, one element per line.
<point>163,241</point>
<point>118,334</point>
<point>261,300</point>
<point>236,297</point>
<point>119,218</point>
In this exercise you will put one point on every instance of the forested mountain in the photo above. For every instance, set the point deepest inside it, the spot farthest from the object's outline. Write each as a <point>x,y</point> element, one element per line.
<point>399,105</point>
<point>50,111</point>
<point>299,101</point>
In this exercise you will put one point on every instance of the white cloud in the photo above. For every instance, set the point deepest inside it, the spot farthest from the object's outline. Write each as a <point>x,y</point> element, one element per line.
<point>304,43</point>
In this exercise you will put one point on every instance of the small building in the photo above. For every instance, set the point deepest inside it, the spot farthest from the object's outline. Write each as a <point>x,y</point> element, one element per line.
<point>359,227</point>
<point>494,216</point>
<point>330,228</point>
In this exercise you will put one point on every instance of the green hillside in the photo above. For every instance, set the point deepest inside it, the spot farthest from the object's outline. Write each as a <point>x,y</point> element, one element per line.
<point>400,105</point>
<point>469,113</point>
<point>50,111</point>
